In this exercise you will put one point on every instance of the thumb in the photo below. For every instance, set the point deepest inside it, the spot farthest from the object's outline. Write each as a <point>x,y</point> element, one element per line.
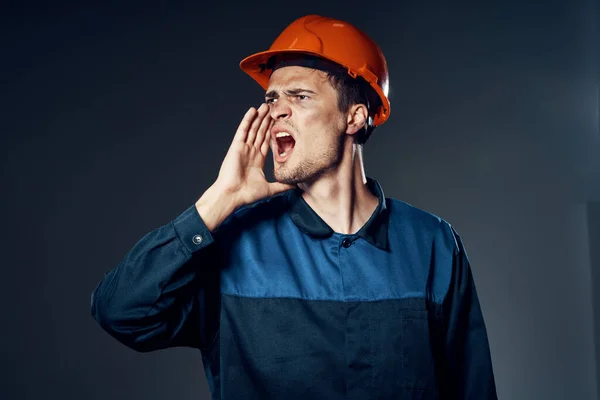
<point>278,187</point>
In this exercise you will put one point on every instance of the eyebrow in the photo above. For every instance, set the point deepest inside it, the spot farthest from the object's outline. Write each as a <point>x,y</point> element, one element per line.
<point>273,94</point>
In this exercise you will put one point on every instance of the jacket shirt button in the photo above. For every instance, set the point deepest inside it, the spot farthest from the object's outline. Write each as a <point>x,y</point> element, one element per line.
<point>197,239</point>
<point>346,242</point>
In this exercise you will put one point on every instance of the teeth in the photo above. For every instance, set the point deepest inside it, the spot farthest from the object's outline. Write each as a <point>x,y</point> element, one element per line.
<point>283,154</point>
<point>282,134</point>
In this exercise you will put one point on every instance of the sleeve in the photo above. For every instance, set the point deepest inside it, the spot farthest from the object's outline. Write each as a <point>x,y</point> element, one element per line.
<point>165,292</point>
<point>467,365</point>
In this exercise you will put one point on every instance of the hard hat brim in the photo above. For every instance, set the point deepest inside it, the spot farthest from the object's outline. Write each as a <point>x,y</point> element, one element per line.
<point>254,66</point>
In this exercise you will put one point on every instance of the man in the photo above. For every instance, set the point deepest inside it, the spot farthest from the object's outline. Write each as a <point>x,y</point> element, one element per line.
<point>315,286</point>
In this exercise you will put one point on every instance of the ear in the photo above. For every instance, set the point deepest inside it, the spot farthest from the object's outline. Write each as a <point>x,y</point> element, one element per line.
<point>356,118</point>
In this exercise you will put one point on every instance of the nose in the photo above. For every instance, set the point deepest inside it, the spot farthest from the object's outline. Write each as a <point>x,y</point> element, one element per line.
<point>280,109</point>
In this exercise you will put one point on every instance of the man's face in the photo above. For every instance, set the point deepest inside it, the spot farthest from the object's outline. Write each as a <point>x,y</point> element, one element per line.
<point>304,105</point>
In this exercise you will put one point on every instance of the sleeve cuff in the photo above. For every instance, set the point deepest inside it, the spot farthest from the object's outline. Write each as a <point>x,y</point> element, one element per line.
<point>191,230</point>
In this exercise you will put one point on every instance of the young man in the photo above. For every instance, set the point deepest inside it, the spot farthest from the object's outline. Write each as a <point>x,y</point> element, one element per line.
<point>316,286</point>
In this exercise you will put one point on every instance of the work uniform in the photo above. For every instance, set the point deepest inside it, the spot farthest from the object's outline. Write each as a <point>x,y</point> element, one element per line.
<point>283,307</point>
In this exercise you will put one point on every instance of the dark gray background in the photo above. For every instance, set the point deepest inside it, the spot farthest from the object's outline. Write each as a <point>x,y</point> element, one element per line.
<point>116,119</point>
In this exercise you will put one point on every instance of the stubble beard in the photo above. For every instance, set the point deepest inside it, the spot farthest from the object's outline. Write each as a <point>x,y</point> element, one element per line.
<point>309,170</point>
<point>305,171</point>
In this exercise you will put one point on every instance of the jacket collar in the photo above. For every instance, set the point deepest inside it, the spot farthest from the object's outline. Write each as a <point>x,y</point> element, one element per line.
<point>308,221</point>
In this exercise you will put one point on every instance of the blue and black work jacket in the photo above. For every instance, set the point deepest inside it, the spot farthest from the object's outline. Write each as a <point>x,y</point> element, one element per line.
<point>283,307</point>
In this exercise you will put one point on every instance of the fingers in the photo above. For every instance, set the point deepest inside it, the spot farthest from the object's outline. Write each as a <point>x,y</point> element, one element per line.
<point>266,142</point>
<point>258,119</point>
<point>263,130</point>
<point>242,132</point>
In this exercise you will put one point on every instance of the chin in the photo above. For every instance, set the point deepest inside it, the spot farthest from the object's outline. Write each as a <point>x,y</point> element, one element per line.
<point>283,174</point>
<point>295,171</point>
<point>286,178</point>
<point>297,176</point>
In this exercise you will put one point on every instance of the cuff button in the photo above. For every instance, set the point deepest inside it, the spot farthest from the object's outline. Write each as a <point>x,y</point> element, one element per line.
<point>197,239</point>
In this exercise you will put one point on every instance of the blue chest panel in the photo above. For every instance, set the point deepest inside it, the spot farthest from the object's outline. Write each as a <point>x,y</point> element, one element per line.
<point>275,259</point>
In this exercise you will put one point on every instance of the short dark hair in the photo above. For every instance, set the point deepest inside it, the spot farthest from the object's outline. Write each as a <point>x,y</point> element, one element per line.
<point>354,91</point>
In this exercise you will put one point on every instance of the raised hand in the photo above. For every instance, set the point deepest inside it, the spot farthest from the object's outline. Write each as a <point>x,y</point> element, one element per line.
<point>241,179</point>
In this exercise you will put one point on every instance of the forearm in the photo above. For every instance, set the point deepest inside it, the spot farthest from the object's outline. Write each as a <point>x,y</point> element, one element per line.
<point>142,297</point>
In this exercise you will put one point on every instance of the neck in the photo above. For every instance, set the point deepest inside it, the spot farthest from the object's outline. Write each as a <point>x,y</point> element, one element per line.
<point>341,196</point>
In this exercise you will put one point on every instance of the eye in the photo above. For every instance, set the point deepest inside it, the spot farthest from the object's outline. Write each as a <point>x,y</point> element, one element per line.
<point>301,96</point>
<point>270,101</point>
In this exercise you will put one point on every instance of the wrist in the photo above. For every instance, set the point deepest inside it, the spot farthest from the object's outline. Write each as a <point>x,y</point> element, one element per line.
<point>214,206</point>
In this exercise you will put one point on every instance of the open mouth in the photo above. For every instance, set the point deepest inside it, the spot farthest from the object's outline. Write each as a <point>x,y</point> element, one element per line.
<point>285,145</point>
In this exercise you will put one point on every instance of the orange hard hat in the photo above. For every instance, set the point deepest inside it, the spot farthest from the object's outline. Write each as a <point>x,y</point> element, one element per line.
<point>333,40</point>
